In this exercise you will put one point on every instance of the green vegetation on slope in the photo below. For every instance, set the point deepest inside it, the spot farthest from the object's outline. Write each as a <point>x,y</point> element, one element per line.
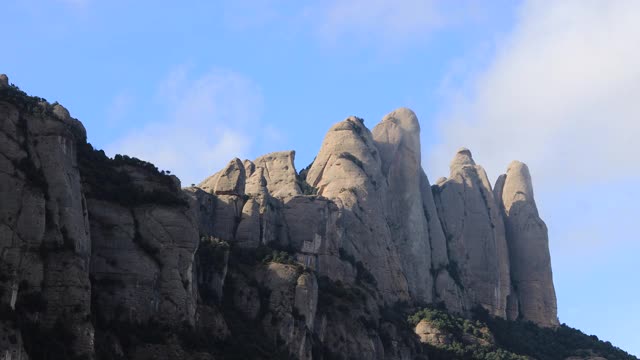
<point>106,180</point>
<point>466,339</point>
<point>526,338</point>
<point>490,338</point>
<point>25,102</point>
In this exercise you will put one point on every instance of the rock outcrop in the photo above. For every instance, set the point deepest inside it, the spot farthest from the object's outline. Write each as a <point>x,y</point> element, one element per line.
<point>528,248</point>
<point>279,173</point>
<point>142,262</point>
<point>348,171</point>
<point>397,139</point>
<point>477,247</point>
<point>44,229</point>
<point>111,256</point>
<point>430,334</point>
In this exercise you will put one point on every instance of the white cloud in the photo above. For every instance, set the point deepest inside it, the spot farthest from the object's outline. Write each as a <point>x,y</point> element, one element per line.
<point>211,119</point>
<point>383,24</point>
<point>383,17</point>
<point>389,23</point>
<point>562,94</point>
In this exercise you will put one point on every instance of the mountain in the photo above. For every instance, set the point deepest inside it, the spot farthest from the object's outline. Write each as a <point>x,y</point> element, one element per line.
<point>357,256</point>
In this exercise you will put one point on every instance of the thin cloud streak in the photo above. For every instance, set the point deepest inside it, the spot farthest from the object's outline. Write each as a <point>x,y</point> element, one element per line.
<point>380,18</point>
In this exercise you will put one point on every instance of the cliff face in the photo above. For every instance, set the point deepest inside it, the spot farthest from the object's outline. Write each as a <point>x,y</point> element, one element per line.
<point>534,295</point>
<point>475,234</point>
<point>411,217</point>
<point>45,245</point>
<point>110,258</point>
<point>347,171</point>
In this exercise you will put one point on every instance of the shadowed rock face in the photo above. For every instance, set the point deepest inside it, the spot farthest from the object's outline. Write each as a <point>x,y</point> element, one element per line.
<point>143,261</point>
<point>44,230</point>
<point>409,208</point>
<point>246,255</point>
<point>528,247</point>
<point>348,171</point>
<point>4,81</point>
<point>475,234</point>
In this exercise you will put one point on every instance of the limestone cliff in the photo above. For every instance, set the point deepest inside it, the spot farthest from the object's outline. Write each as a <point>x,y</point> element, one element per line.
<point>475,234</point>
<point>111,259</point>
<point>45,245</point>
<point>347,171</point>
<point>534,294</point>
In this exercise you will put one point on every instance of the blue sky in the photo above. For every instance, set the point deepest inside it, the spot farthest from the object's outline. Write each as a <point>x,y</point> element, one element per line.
<point>552,83</point>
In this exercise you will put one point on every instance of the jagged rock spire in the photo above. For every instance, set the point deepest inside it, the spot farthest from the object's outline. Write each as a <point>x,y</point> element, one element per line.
<point>528,247</point>
<point>348,171</point>
<point>475,235</point>
<point>410,209</point>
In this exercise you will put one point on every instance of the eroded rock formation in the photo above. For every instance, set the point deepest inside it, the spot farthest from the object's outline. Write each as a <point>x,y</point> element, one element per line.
<point>258,260</point>
<point>534,294</point>
<point>476,241</point>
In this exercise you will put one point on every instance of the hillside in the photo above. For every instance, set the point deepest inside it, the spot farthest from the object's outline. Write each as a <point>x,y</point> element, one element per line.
<point>357,256</point>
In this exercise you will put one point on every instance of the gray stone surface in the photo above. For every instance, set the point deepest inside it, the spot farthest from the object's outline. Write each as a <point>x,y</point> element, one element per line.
<point>279,173</point>
<point>348,171</point>
<point>376,234</point>
<point>228,181</point>
<point>44,229</point>
<point>475,234</point>
<point>142,259</point>
<point>432,335</point>
<point>4,81</point>
<point>409,209</point>
<point>315,230</point>
<point>528,247</point>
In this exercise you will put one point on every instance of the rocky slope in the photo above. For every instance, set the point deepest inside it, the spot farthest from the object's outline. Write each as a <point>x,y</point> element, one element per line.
<point>111,259</point>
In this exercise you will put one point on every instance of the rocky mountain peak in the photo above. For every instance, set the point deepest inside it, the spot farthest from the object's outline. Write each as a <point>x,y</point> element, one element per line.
<point>528,243</point>
<point>520,179</point>
<point>279,172</point>
<point>403,117</point>
<point>474,228</point>
<point>462,158</point>
<point>228,181</point>
<point>258,260</point>
<point>399,129</point>
<point>347,157</point>
<point>410,210</point>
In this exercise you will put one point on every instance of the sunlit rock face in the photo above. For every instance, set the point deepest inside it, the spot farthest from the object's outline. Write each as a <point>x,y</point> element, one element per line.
<point>258,258</point>
<point>534,293</point>
<point>475,234</point>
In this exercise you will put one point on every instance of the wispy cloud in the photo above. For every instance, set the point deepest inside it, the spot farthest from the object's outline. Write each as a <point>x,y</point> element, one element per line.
<point>388,23</point>
<point>383,24</point>
<point>210,119</point>
<point>117,110</point>
<point>561,94</point>
<point>379,18</point>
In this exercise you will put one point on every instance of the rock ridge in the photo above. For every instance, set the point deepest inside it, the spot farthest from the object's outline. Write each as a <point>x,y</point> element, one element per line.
<point>112,256</point>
